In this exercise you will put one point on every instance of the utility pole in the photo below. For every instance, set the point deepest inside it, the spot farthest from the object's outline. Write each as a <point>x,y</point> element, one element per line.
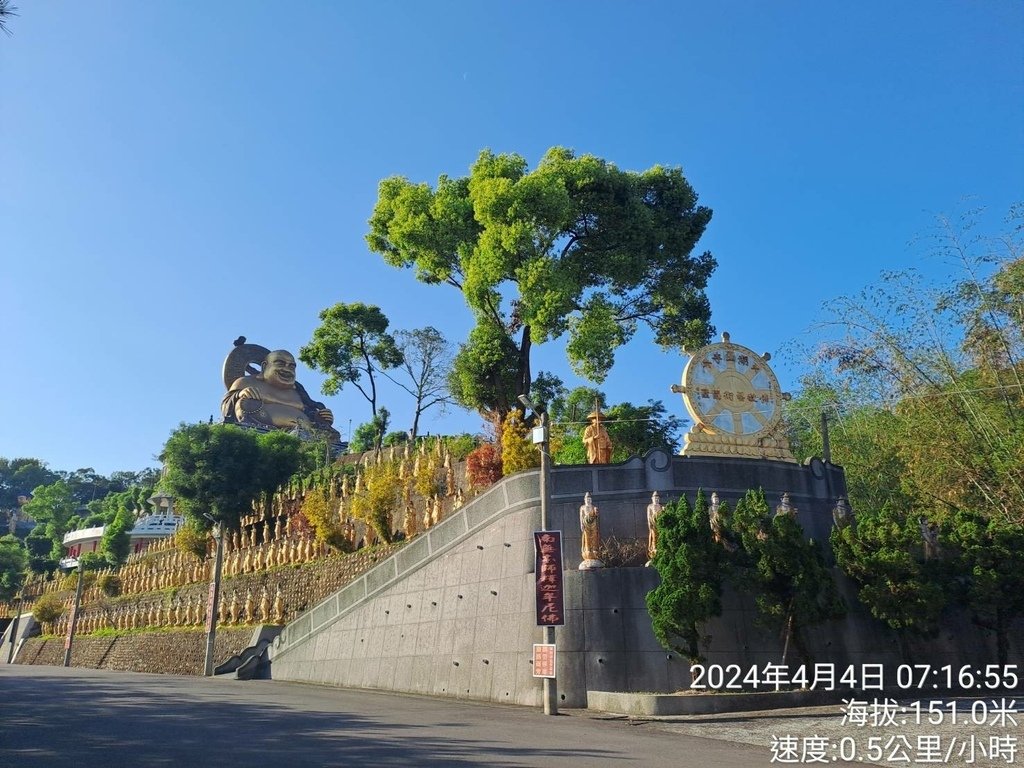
<point>212,603</point>
<point>550,683</point>
<point>826,448</point>
<point>74,616</point>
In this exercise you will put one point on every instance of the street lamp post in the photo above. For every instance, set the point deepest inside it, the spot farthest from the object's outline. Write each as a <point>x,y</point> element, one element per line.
<point>212,603</point>
<point>74,615</point>
<point>550,683</point>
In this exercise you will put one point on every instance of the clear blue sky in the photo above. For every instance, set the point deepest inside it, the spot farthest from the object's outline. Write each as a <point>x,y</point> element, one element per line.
<point>173,175</point>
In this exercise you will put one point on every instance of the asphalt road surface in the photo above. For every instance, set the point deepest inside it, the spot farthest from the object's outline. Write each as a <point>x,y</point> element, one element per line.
<point>80,718</point>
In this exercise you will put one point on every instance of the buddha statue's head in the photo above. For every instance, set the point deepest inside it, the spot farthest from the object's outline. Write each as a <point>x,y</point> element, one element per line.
<point>279,369</point>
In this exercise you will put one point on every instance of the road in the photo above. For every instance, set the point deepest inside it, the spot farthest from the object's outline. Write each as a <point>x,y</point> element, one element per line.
<point>81,718</point>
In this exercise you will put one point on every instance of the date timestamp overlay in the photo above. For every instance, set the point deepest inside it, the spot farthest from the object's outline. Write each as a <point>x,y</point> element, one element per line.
<point>911,714</point>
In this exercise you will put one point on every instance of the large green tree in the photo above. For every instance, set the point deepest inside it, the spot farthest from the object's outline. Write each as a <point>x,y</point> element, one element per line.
<point>575,246</point>
<point>44,549</point>
<point>116,541</point>
<point>220,469</point>
<point>352,345</point>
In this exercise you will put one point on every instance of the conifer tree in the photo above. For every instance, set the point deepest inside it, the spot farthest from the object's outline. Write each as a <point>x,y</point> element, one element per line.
<point>786,572</point>
<point>690,566</point>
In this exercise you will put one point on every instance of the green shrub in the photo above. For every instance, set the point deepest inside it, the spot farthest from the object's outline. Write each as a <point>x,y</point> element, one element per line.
<point>48,608</point>
<point>109,584</point>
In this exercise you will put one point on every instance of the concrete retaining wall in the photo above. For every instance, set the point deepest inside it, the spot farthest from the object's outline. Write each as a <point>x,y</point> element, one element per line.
<point>453,612</point>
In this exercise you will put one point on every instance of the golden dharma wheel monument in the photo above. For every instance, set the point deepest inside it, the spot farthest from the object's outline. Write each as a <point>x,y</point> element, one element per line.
<point>735,401</point>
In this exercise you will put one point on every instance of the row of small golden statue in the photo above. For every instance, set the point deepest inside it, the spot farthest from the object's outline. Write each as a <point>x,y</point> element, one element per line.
<point>142,579</point>
<point>182,613</point>
<point>275,553</point>
<point>155,547</point>
<point>590,527</point>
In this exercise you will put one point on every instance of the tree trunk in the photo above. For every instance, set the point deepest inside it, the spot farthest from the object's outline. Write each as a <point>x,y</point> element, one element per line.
<point>800,645</point>
<point>524,380</point>
<point>415,424</point>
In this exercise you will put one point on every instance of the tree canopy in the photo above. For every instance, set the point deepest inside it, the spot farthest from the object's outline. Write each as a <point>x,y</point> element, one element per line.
<point>940,367</point>
<point>220,469</point>
<point>574,247</point>
<point>19,477</point>
<point>52,504</point>
<point>351,345</point>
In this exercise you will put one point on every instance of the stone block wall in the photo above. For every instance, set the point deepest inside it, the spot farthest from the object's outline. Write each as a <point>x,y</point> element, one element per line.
<point>172,651</point>
<point>153,651</point>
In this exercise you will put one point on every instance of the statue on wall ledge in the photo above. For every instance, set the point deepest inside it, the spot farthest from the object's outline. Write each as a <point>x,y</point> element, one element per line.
<point>596,439</point>
<point>654,509</point>
<point>590,534</point>
<point>269,396</point>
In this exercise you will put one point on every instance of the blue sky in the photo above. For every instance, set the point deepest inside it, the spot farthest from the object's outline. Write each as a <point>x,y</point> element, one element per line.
<point>173,176</point>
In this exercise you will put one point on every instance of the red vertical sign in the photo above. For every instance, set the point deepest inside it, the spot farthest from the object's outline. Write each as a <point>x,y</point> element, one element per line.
<point>548,572</point>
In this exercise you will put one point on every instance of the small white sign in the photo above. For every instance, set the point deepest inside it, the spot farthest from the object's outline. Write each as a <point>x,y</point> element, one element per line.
<point>538,435</point>
<point>544,660</point>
